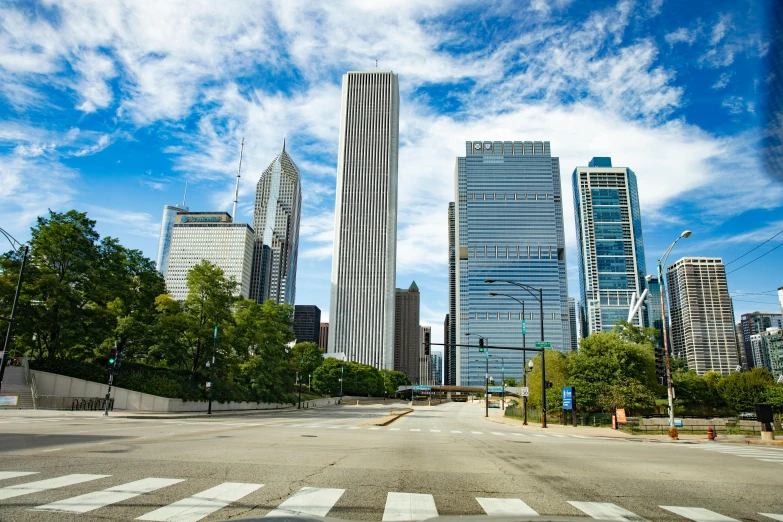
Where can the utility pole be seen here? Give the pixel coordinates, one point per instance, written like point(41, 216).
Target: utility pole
point(212, 365)
point(12, 320)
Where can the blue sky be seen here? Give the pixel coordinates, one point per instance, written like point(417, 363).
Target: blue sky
point(111, 107)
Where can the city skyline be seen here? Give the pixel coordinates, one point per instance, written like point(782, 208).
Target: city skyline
point(88, 133)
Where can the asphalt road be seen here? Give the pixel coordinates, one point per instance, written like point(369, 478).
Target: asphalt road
point(444, 460)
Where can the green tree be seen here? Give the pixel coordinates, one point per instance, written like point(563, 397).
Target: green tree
point(773, 395)
point(605, 360)
point(393, 380)
point(555, 373)
point(742, 390)
point(510, 381)
point(307, 357)
point(358, 379)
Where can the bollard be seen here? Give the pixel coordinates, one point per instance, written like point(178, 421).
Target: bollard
point(710, 433)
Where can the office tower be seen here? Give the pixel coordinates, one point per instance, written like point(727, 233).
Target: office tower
point(425, 362)
point(406, 332)
point(609, 243)
point(654, 319)
point(450, 338)
point(307, 323)
point(780, 298)
point(164, 242)
point(572, 324)
point(365, 233)
point(702, 322)
point(437, 368)
point(278, 207)
point(323, 337)
point(508, 225)
point(754, 323)
point(210, 236)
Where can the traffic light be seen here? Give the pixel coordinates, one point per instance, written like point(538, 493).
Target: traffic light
point(426, 343)
point(549, 384)
point(481, 344)
point(112, 356)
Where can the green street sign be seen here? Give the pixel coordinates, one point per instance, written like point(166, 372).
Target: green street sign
point(541, 344)
point(524, 327)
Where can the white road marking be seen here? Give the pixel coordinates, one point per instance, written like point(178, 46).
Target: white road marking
point(477, 433)
point(779, 461)
point(606, 511)
point(698, 514)
point(376, 428)
point(53, 449)
point(538, 435)
point(202, 504)
point(13, 474)
point(355, 428)
point(497, 433)
point(309, 501)
point(519, 434)
point(408, 506)
point(394, 429)
point(99, 499)
point(414, 429)
point(505, 506)
point(580, 436)
point(435, 431)
point(773, 516)
point(560, 436)
point(43, 485)
point(455, 431)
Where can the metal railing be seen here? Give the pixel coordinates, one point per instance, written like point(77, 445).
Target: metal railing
point(90, 403)
point(29, 378)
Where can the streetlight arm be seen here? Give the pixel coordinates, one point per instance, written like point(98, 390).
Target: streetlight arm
point(529, 289)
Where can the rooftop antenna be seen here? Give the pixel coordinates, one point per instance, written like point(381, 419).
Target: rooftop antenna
point(185, 197)
point(239, 175)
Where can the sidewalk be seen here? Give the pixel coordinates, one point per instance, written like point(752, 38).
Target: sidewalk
point(33, 414)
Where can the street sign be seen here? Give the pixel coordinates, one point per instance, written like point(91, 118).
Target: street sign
point(524, 391)
point(421, 388)
point(542, 344)
point(568, 398)
point(495, 389)
point(209, 385)
point(621, 418)
point(524, 327)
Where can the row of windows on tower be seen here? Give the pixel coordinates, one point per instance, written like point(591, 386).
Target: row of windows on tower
point(507, 316)
point(505, 196)
point(514, 252)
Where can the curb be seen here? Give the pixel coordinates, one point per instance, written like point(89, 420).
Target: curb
point(203, 415)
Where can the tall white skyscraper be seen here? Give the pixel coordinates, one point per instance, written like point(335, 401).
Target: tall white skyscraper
point(361, 313)
point(276, 223)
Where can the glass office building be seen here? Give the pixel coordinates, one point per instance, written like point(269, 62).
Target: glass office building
point(508, 225)
point(609, 244)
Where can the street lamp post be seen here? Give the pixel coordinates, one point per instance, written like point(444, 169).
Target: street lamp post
point(673, 435)
point(524, 352)
point(529, 289)
point(12, 320)
point(212, 365)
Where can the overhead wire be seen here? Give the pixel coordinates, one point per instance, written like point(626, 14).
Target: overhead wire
point(757, 258)
point(754, 248)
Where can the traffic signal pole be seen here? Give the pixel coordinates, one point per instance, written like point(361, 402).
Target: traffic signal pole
point(112, 363)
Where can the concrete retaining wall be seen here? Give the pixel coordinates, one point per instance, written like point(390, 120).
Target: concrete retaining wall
point(128, 400)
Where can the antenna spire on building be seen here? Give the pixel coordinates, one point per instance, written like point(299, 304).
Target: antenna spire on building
point(239, 175)
point(185, 197)
point(284, 142)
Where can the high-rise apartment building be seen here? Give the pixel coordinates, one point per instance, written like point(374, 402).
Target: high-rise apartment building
point(323, 338)
point(702, 319)
point(210, 236)
point(572, 324)
point(652, 307)
point(609, 243)
point(307, 323)
point(365, 233)
point(164, 241)
point(780, 298)
point(406, 332)
point(508, 225)
point(278, 207)
point(450, 330)
point(755, 323)
point(437, 368)
point(425, 361)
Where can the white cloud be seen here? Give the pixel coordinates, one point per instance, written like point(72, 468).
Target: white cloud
point(130, 222)
point(737, 105)
point(681, 35)
point(723, 81)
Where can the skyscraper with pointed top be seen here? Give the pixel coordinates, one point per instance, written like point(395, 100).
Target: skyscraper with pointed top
point(278, 208)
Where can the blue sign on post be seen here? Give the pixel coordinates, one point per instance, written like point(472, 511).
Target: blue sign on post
point(568, 398)
point(524, 327)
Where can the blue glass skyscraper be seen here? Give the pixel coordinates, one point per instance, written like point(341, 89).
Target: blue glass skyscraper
point(508, 226)
point(609, 243)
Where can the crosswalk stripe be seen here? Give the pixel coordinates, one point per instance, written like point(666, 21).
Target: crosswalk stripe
point(98, 499)
point(559, 436)
point(202, 504)
point(698, 514)
point(580, 436)
point(505, 506)
point(434, 431)
point(519, 434)
point(606, 511)
point(773, 516)
point(477, 433)
point(538, 435)
point(42, 485)
point(497, 433)
point(394, 429)
point(779, 461)
point(414, 429)
point(13, 474)
point(455, 431)
point(309, 501)
point(409, 506)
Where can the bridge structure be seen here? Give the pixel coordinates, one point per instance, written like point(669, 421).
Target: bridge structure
point(514, 391)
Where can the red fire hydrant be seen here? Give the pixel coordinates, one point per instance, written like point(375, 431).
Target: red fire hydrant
point(710, 433)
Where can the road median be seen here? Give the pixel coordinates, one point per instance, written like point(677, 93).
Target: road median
point(390, 418)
